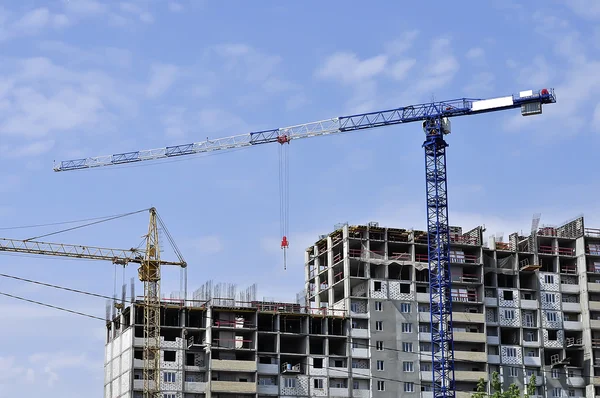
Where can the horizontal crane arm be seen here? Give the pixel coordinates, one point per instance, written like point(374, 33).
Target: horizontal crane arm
point(117, 256)
point(407, 114)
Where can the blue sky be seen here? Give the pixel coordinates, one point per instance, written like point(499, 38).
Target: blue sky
point(84, 78)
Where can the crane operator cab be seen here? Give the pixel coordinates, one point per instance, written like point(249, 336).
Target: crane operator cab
point(444, 124)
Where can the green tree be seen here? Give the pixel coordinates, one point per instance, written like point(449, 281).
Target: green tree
point(530, 391)
point(512, 392)
point(481, 389)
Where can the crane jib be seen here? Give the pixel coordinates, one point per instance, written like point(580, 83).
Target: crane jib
point(407, 114)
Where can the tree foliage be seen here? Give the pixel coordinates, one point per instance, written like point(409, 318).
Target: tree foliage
point(512, 392)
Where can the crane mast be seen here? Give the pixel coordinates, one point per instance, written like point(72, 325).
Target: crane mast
point(436, 123)
point(148, 273)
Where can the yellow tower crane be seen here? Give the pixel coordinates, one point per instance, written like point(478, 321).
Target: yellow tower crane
point(148, 272)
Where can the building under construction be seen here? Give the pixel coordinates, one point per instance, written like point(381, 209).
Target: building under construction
point(529, 306)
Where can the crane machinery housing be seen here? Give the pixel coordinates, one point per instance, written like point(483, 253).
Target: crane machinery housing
point(435, 118)
point(148, 272)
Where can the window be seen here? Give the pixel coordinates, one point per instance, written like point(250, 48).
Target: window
point(513, 372)
point(380, 385)
point(377, 286)
point(379, 325)
point(571, 393)
point(552, 335)
point(550, 298)
point(555, 373)
point(556, 392)
point(379, 365)
point(404, 307)
point(424, 328)
point(425, 367)
point(318, 384)
point(407, 328)
point(379, 345)
point(355, 385)
point(409, 387)
point(511, 352)
point(169, 377)
point(354, 307)
point(509, 314)
point(378, 306)
point(549, 278)
point(170, 395)
point(507, 295)
point(170, 356)
point(289, 382)
point(425, 347)
point(551, 316)
point(408, 367)
point(318, 363)
point(407, 347)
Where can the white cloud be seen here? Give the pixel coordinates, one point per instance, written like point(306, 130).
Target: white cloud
point(97, 56)
point(206, 245)
point(174, 122)
point(348, 68)
point(214, 120)
point(45, 97)
point(28, 150)
point(588, 9)
point(480, 83)
point(442, 68)
point(475, 53)
point(402, 44)
point(245, 62)
point(162, 78)
point(399, 70)
point(596, 118)
point(175, 7)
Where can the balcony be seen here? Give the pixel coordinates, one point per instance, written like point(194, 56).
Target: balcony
point(423, 297)
point(467, 375)
point(470, 356)
point(268, 390)
point(195, 387)
point(593, 287)
point(470, 337)
point(360, 352)
point(360, 372)
point(232, 365)
point(493, 340)
point(360, 333)
point(532, 361)
point(339, 392)
point(594, 305)
point(234, 387)
point(338, 372)
point(529, 304)
point(269, 369)
point(572, 325)
point(493, 359)
point(425, 336)
point(575, 307)
point(468, 317)
point(576, 381)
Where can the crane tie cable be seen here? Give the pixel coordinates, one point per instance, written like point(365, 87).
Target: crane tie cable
point(51, 306)
point(88, 224)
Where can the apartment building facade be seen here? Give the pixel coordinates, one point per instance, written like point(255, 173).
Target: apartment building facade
point(530, 306)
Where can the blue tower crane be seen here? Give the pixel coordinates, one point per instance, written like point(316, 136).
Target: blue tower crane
point(435, 118)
